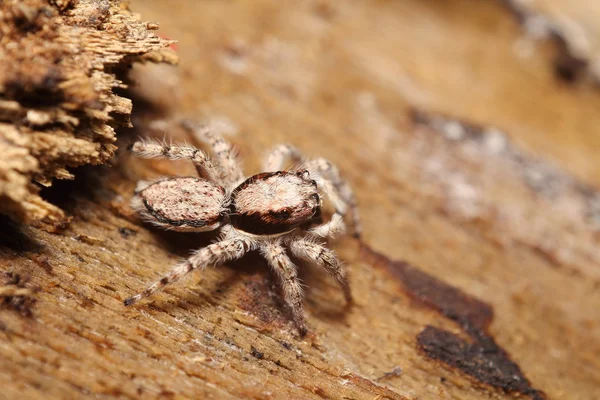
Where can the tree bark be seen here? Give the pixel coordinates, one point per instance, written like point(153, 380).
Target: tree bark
point(471, 147)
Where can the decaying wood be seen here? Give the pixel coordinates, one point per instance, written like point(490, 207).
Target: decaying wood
point(60, 64)
point(475, 167)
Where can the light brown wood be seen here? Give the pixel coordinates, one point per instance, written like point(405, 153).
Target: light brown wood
point(472, 161)
point(61, 63)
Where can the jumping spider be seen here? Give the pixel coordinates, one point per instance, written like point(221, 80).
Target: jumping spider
point(270, 211)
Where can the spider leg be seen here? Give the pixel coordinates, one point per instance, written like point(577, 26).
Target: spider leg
point(231, 172)
point(275, 160)
point(330, 229)
point(325, 258)
point(216, 253)
point(337, 189)
point(153, 149)
point(288, 276)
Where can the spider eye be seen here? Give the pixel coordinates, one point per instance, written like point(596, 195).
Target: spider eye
point(284, 213)
point(304, 174)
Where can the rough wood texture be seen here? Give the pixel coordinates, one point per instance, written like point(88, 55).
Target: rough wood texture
point(60, 64)
point(473, 161)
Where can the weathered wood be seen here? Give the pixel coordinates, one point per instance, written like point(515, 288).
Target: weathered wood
point(472, 161)
point(61, 63)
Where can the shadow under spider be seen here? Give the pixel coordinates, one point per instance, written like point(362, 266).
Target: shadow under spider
point(323, 307)
point(260, 293)
point(218, 289)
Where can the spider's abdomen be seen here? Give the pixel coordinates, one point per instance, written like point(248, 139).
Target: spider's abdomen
point(275, 202)
point(184, 203)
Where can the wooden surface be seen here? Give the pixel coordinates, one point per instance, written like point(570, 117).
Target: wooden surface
point(473, 161)
point(61, 65)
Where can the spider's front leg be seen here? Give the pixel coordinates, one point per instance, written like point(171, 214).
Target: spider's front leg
point(231, 172)
point(275, 160)
point(337, 190)
point(325, 258)
point(154, 149)
point(214, 254)
point(330, 229)
point(290, 283)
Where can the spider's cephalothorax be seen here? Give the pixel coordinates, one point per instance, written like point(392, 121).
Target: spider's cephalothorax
point(273, 203)
point(272, 211)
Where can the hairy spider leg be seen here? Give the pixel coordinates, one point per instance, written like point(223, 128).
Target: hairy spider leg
point(231, 171)
point(217, 253)
point(205, 167)
point(276, 158)
point(287, 273)
point(338, 189)
point(313, 252)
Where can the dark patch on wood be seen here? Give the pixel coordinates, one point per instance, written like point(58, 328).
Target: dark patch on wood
point(258, 298)
point(396, 371)
point(569, 68)
point(126, 232)
point(320, 392)
point(27, 19)
point(482, 359)
point(257, 354)
point(286, 345)
point(21, 304)
point(37, 91)
point(451, 302)
point(167, 394)
point(43, 262)
point(568, 65)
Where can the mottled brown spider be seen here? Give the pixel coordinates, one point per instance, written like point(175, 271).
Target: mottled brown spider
point(272, 211)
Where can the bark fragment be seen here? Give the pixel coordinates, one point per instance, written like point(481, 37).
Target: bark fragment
point(60, 63)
